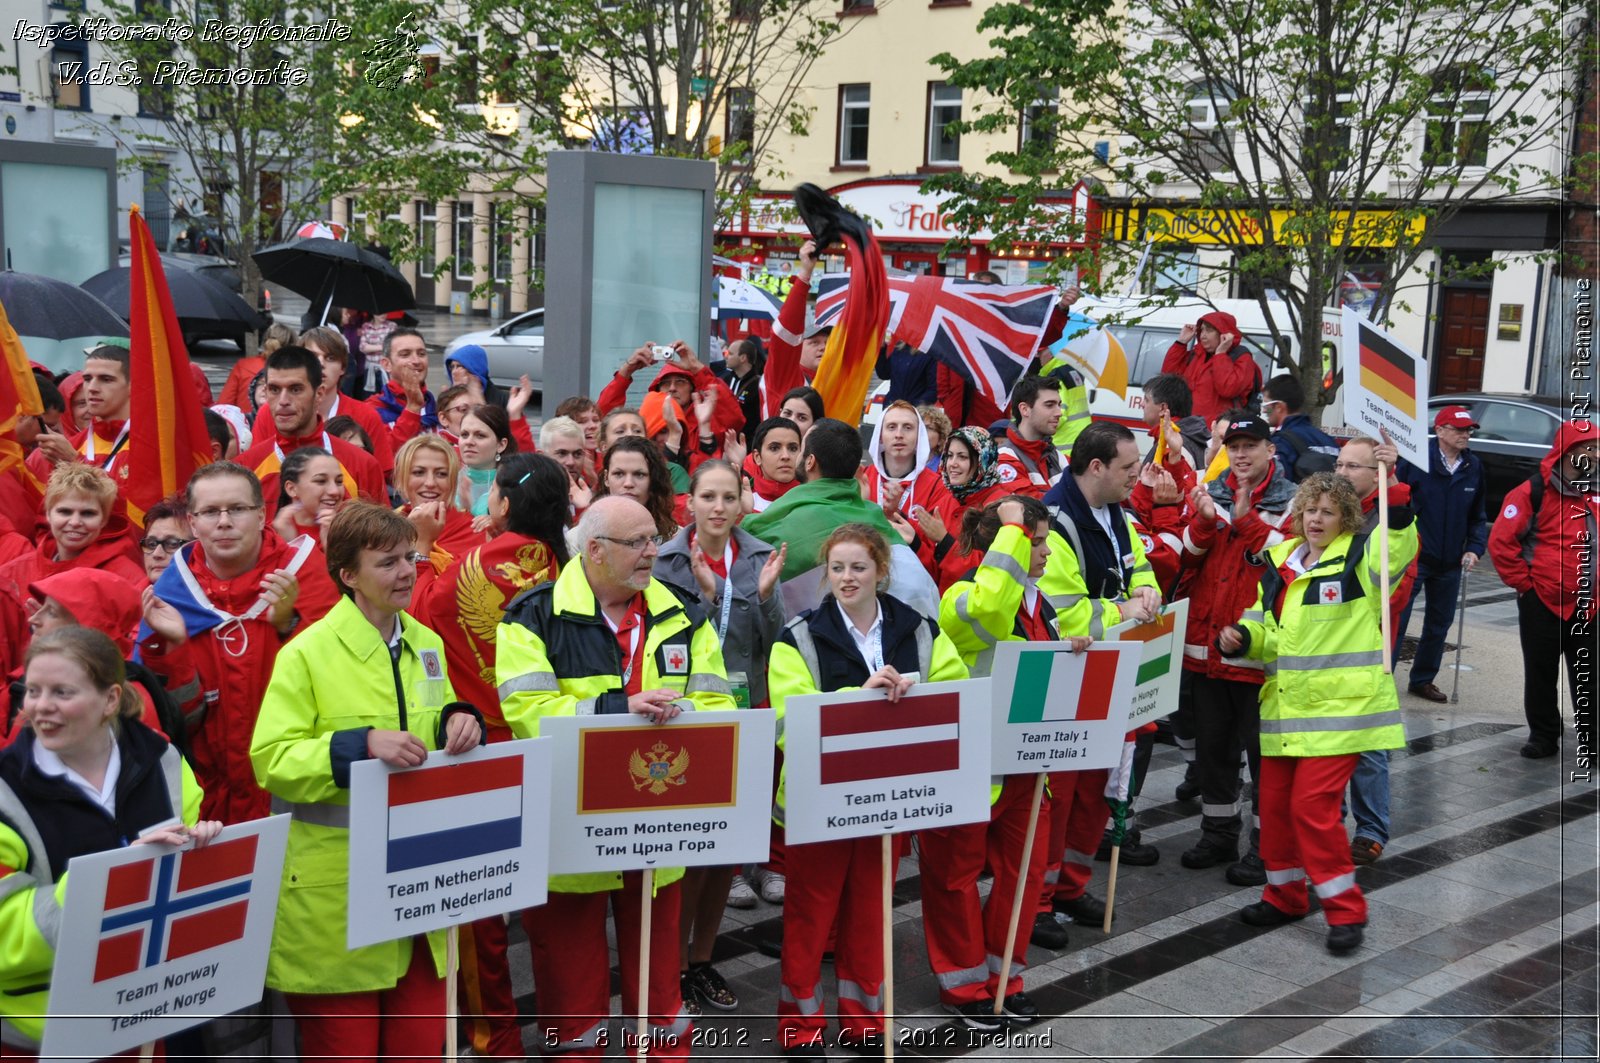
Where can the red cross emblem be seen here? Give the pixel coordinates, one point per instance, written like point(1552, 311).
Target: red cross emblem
point(675, 660)
point(1330, 594)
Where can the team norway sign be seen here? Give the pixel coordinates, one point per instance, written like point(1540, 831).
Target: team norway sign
point(1055, 710)
point(627, 794)
point(857, 766)
point(460, 838)
point(1160, 660)
point(154, 941)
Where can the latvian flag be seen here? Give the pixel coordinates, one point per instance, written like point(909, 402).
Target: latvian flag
point(454, 812)
point(1153, 665)
point(920, 733)
point(1055, 685)
point(174, 906)
point(1388, 371)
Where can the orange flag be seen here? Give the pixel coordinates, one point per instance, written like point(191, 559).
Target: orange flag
point(1161, 441)
point(167, 438)
point(19, 398)
point(858, 332)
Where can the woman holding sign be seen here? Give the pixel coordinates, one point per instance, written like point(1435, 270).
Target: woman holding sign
point(365, 681)
point(857, 638)
point(84, 777)
point(1317, 625)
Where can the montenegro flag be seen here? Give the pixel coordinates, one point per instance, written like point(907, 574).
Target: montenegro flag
point(167, 437)
point(19, 398)
point(653, 769)
point(846, 366)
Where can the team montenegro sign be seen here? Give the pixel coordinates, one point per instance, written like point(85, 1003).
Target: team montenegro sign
point(628, 794)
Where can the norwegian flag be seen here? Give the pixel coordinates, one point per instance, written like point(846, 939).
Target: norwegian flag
point(986, 332)
point(174, 906)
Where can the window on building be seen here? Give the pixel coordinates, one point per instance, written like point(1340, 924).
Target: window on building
point(464, 262)
point(740, 126)
point(1458, 118)
point(427, 237)
point(505, 229)
point(855, 109)
point(467, 85)
point(69, 67)
point(744, 10)
point(157, 204)
point(430, 70)
point(1210, 145)
point(944, 110)
point(155, 101)
point(1173, 268)
point(855, 7)
point(1036, 131)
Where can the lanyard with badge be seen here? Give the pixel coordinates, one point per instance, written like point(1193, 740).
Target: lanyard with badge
point(633, 648)
point(116, 446)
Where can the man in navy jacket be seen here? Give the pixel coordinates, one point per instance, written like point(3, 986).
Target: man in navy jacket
point(1453, 523)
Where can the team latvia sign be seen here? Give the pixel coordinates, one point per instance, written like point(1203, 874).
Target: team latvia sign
point(1055, 710)
point(856, 765)
point(627, 795)
point(458, 839)
point(1385, 387)
point(154, 941)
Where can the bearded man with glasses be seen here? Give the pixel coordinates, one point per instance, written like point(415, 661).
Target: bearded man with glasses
point(215, 619)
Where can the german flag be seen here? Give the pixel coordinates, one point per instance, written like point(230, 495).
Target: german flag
point(846, 367)
point(167, 440)
point(654, 769)
point(1388, 372)
point(19, 398)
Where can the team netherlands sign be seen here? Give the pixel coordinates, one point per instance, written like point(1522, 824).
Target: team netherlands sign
point(1385, 387)
point(1055, 710)
point(1160, 660)
point(627, 794)
point(458, 839)
point(856, 765)
point(155, 940)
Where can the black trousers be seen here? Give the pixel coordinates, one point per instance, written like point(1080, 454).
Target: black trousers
point(1546, 639)
point(1227, 720)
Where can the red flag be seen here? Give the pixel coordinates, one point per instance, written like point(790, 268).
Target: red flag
point(920, 733)
point(167, 437)
point(19, 398)
point(639, 769)
point(846, 367)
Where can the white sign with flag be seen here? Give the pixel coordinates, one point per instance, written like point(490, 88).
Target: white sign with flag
point(628, 794)
point(857, 766)
point(1385, 387)
point(458, 839)
point(156, 940)
point(1055, 710)
point(1160, 660)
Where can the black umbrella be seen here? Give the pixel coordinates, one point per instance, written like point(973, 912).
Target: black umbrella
point(201, 304)
point(336, 273)
point(217, 269)
point(55, 310)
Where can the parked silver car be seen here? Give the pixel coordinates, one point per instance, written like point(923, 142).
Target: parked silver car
point(514, 348)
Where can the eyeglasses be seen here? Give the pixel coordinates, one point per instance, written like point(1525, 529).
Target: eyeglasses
point(233, 513)
point(1272, 402)
point(1348, 466)
point(1464, 431)
point(171, 544)
point(644, 542)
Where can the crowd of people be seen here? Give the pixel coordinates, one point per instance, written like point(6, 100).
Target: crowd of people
point(406, 575)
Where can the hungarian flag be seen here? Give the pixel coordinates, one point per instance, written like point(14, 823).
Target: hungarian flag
point(19, 398)
point(174, 906)
point(654, 769)
point(1388, 371)
point(1162, 629)
point(918, 734)
point(167, 437)
point(846, 367)
point(1056, 685)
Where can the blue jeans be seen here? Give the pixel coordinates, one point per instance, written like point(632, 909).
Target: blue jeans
point(1443, 586)
point(1369, 796)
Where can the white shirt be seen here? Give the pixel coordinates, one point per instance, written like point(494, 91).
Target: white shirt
point(105, 796)
point(869, 643)
point(1297, 560)
point(1103, 515)
point(1452, 466)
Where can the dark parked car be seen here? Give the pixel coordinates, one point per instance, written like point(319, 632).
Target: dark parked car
point(1514, 433)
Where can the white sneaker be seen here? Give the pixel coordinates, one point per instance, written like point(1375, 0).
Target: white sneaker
point(740, 895)
point(770, 883)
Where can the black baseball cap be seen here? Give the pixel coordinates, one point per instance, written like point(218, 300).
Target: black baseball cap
point(1254, 427)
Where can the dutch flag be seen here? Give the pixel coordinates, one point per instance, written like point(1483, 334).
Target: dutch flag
point(454, 812)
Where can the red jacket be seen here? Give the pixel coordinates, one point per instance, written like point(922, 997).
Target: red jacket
point(782, 372)
point(1219, 382)
point(1552, 551)
point(113, 552)
point(1223, 570)
point(726, 414)
point(362, 477)
point(265, 429)
point(218, 677)
point(965, 405)
point(465, 604)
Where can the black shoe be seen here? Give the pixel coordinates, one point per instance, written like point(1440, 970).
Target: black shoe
point(1187, 791)
point(809, 1050)
point(770, 945)
point(710, 988)
point(1537, 750)
point(1086, 909)
point(1345, 937)
point(867, 1045)
point(1134, 854)
point(979, 1016)
point(1021, 1010)
point(1429, 692)
point(1209, 853)
point(691, 1003)
point(1248, 871)
point(1264, 913)
point(1048, 933)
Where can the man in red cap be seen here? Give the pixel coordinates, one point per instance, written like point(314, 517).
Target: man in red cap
point(1544, 546)
point(1448, 497)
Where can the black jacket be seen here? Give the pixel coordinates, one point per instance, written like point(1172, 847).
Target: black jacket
point(839, 662)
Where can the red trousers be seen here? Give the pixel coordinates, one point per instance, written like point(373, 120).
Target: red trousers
point(488, 1007)
point(1302, 836)
point(1077, 801)
point(966, 937)
point(842, 879)
point(572, 970)
point(405, 1023)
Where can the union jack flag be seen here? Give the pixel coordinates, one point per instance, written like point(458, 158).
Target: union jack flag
point(986, 332)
